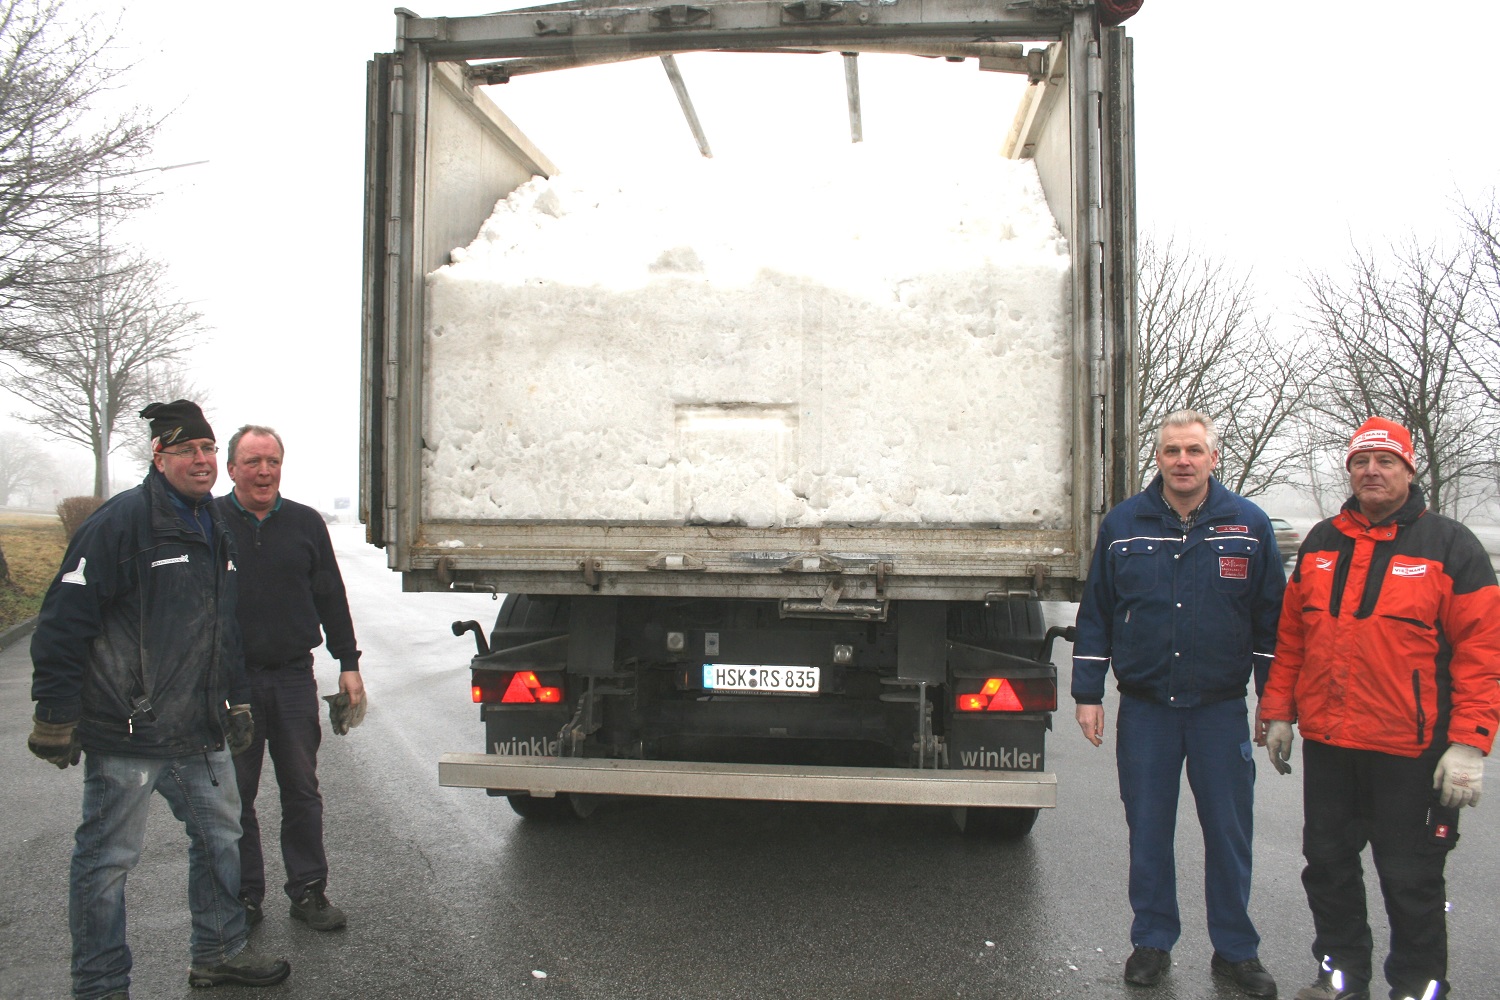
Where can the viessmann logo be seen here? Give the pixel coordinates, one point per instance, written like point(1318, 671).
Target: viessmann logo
point(1408, 569)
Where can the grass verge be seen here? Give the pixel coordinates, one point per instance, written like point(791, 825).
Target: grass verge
point(33, 545)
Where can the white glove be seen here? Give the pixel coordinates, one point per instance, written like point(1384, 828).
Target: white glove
point(1460, 775)
point(1279, 745)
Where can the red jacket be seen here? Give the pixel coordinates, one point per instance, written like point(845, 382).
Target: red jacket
point(1390, 635)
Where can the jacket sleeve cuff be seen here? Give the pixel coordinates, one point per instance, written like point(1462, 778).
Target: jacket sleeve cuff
point(59, 711)
point(1088, 699)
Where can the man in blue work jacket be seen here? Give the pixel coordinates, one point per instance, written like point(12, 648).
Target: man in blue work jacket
point(1182, 601)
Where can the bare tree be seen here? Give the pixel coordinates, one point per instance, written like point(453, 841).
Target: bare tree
point(54, 154)
point(1482, 234)
point(1205, 346)
point(162, 383)
point(24, 467)
point(1401, 335)
point(98, 356)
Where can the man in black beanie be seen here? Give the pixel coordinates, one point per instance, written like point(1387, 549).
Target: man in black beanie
point(137, 626)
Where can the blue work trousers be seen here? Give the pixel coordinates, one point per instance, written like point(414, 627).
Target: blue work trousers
point(1351, 798)
point(285, 705)
point(1152, 743)
point(201, 792)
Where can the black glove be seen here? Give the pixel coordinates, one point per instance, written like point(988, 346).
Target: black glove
point(241, 729)
point(55, 742)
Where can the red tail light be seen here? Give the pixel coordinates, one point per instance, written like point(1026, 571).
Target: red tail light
point(522, 688)
point(1006, 694)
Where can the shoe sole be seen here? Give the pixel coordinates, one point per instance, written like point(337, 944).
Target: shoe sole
point(208, 979)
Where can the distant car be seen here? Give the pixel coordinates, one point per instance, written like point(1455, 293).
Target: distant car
point(1288, 539)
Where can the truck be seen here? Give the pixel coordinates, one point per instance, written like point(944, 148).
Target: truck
point(783, 535)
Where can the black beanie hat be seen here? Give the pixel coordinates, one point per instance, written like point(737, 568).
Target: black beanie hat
point(179, 420)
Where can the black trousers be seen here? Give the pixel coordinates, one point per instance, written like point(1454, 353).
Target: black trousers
point(284, 703)
point(1351, 798)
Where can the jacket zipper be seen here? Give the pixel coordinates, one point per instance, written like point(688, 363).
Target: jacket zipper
point(1416, 691)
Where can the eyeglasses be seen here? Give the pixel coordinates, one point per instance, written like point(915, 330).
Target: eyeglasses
point(206, 450)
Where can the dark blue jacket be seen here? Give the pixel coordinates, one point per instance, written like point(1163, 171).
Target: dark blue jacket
point(137, 638)
point(1184, 620)
point(291, 590)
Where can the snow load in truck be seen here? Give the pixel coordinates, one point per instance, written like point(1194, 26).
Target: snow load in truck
point(696, 346)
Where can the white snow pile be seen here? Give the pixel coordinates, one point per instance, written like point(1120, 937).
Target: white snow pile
point(868, 337)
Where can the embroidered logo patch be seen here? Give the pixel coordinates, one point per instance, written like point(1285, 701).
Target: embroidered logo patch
point(1234, 568)
point(1238, 529)
point(167, 562)
point(1405, 569)
point(76, 575)
point(1325, 563)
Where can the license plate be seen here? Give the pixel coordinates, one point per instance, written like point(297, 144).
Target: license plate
point(757, 678)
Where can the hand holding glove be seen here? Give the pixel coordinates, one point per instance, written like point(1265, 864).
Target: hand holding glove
point(1459, 776)
point(241, 729)
point(344, 713)
point(1279, 745)
point(55, 742)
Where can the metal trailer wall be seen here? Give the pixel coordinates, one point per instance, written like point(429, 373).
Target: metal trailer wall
point(440, 155)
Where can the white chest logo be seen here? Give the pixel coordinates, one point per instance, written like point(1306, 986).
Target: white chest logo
point(1405, 569)
point(167, 562)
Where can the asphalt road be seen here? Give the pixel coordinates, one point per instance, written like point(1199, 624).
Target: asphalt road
point(451, 895)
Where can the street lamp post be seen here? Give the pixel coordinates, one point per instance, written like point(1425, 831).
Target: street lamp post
point(101, 337)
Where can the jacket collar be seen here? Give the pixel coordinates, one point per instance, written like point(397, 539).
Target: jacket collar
point(1217, 505)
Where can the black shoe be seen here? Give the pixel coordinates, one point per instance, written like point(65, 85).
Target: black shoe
point(1321, 988)
point(1146, 966)
point(1250, 976)
point(314, 909)
point(244, 969)
point(253, 913)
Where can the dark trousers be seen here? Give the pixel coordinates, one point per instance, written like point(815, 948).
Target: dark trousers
point(1153, 743)
point(285, 705)
point(1351, 798)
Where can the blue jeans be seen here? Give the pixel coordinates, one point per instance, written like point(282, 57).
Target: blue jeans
point(116, 801)
point(1152, 743)
point(285, 705)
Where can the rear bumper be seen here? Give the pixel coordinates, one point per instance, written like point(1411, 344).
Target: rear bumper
point(544, 777)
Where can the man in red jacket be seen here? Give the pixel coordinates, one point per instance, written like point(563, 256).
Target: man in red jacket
point(1388, 660)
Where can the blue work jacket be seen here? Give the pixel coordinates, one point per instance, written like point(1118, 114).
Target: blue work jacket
point(1184, 619)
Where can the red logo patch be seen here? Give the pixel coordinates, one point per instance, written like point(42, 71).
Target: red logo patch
point(1238, 529)
point(1234, 568)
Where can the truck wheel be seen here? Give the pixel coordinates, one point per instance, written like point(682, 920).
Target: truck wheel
point(995, 823)
point(558, 809)
point(1014, 626)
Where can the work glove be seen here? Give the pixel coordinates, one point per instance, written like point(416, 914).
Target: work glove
point(342, 714)
point(1459, 776)
point(1279, 745)
point(241, 729)
point(55, 742)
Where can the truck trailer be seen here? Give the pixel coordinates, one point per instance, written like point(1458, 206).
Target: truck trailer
point(770, 510)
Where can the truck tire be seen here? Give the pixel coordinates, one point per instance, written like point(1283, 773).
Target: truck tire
point(561, 808)
point(1014, 626)
point(525, 618)
point(995, 823)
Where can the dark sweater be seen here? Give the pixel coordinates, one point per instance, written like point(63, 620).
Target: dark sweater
point(291, 591)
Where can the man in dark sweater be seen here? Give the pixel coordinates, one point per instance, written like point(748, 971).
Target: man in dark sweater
point(291, 597)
